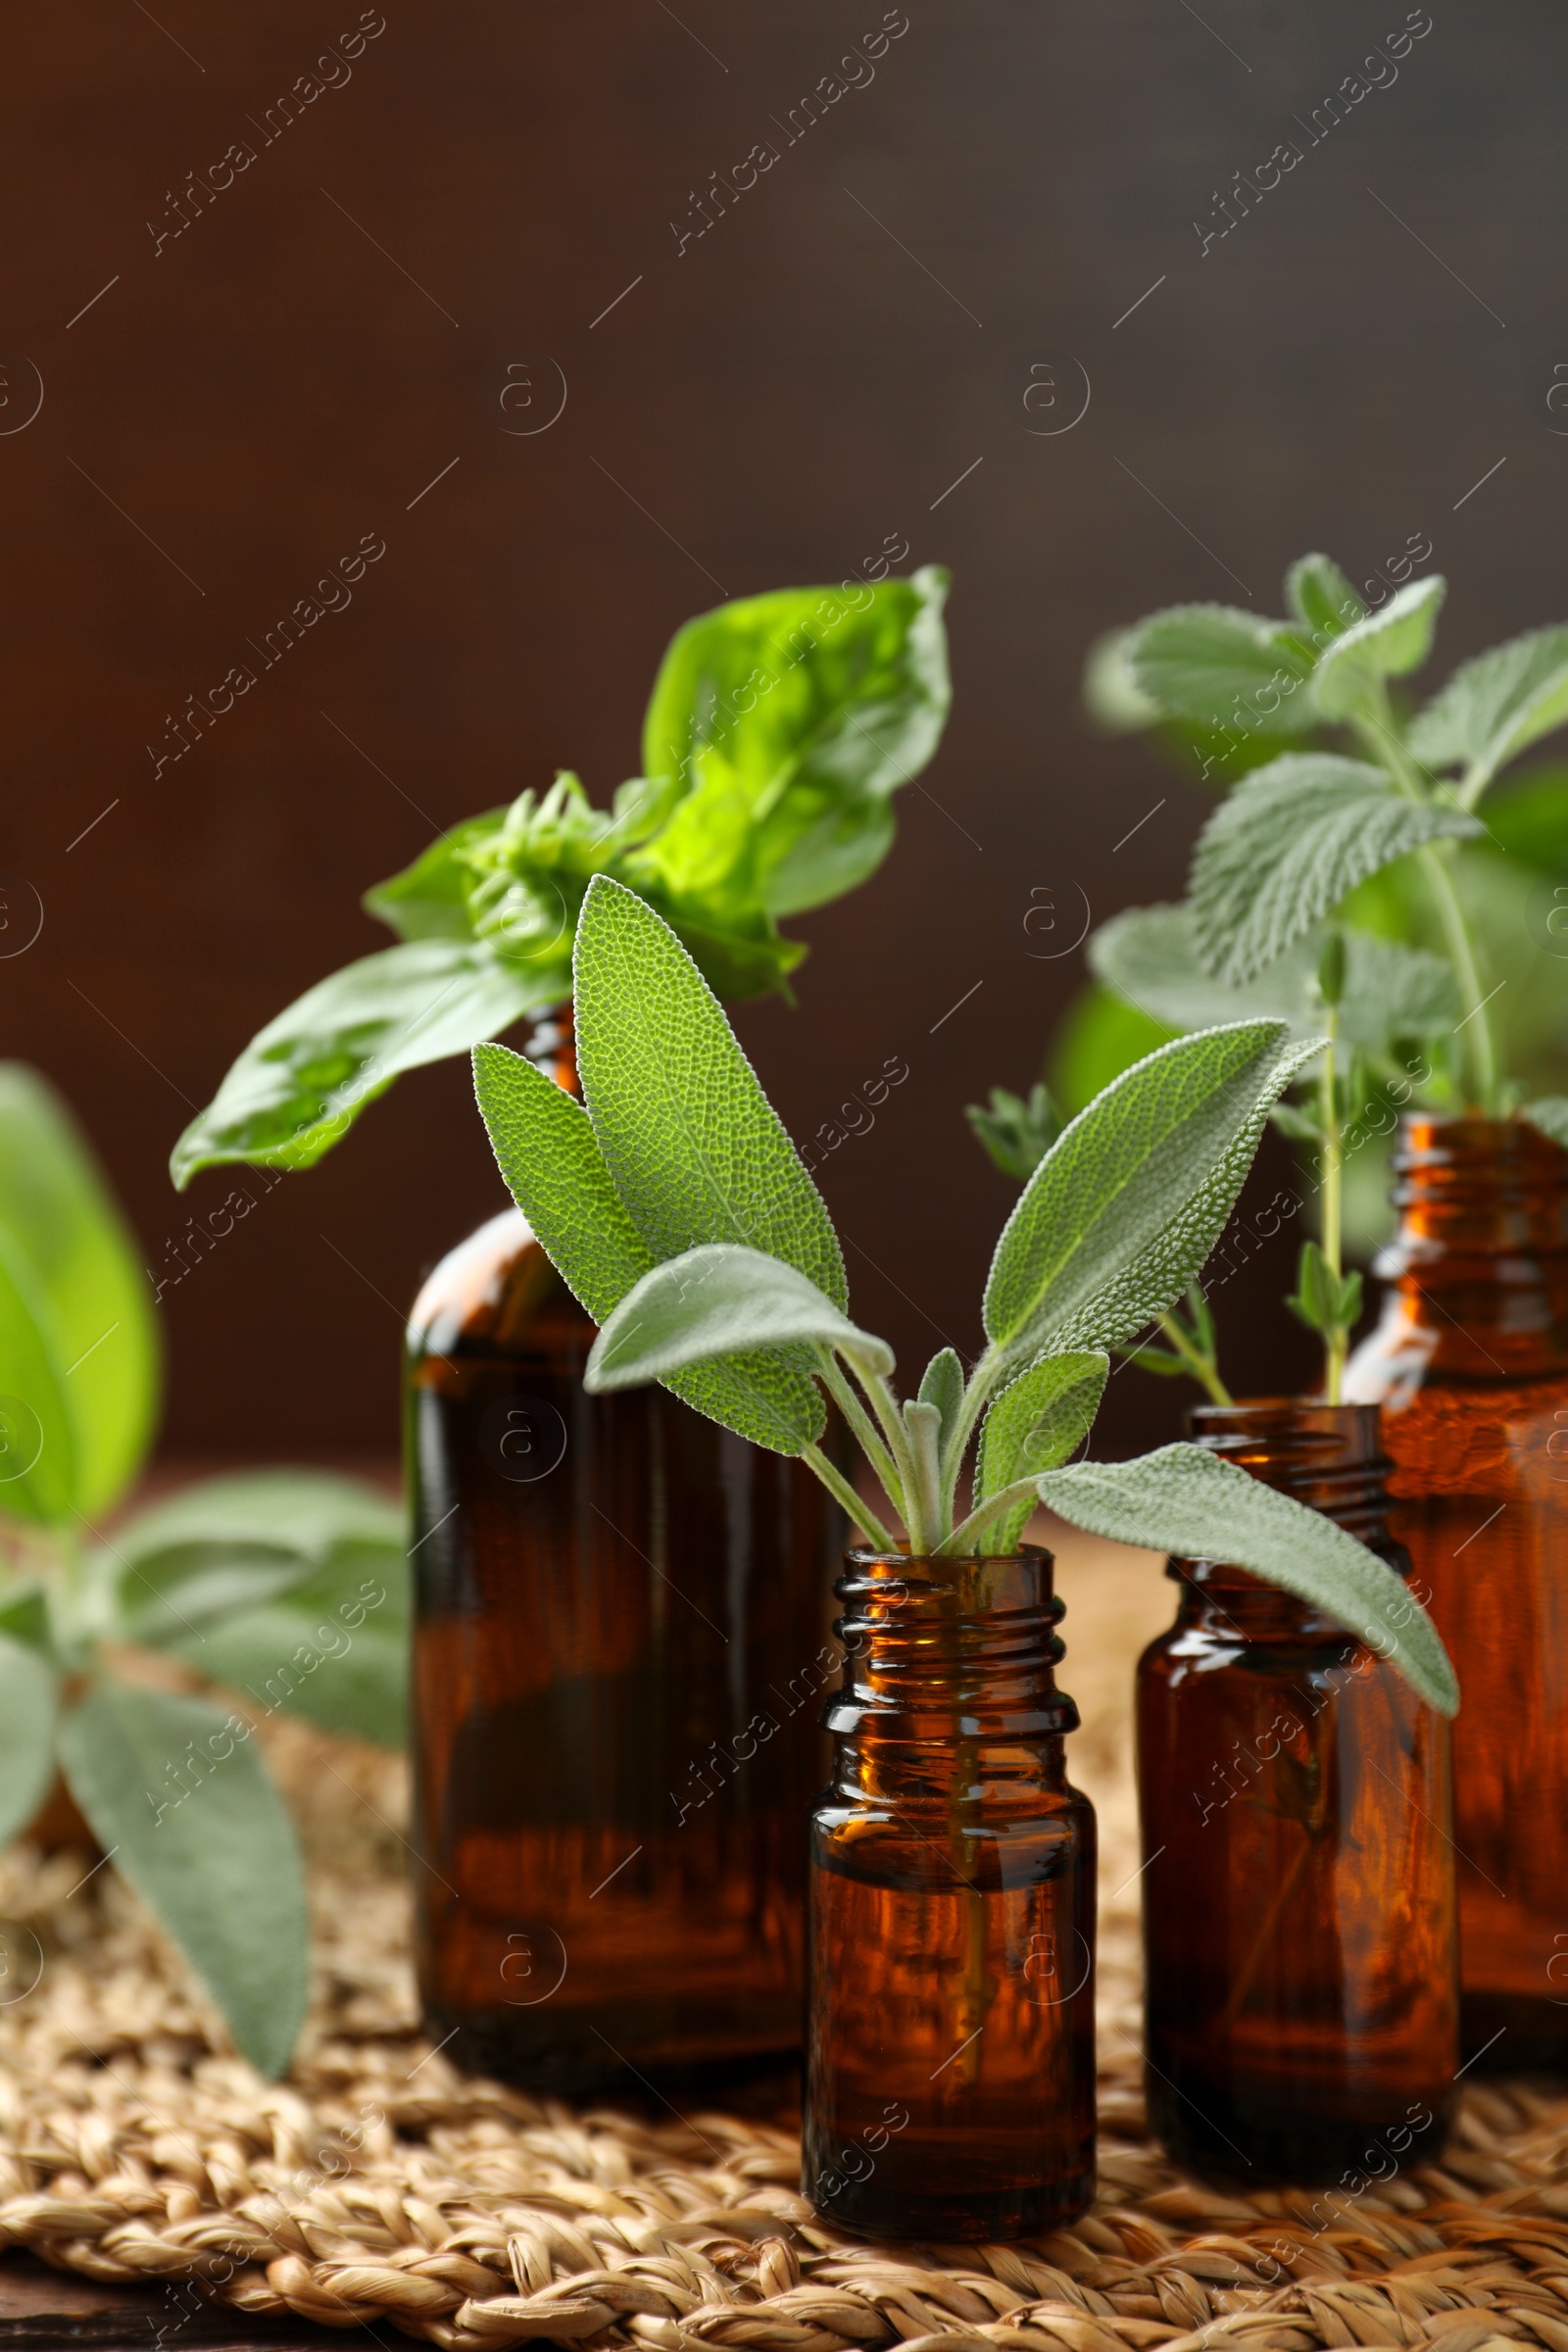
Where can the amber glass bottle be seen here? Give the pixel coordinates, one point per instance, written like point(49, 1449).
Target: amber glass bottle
point(1300, 1935)
point(1470, 1364)
point(620, 1650)
point(951, 2027)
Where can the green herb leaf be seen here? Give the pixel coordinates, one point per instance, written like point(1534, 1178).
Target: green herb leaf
point(429, 899)
point(1017, 1134)
point(1529, 821)
point(62, 1219)
point(1321, 597)
point(1324, 1302)
point(1550, 1115)
point(1492, 706)
point(1126, 1206)
point(942, 1384)
point(1149, 954)
point(1199, 661)
point(801, 712)
point(1112, 695)
point(177, 1791)
point(333, 1648)
point(232, 1544)
point(39, 1480)
point(693, 1145)
point(545, 1147)
point(303, 1079)
point(1184, 1500)
point(719, 1301)
point(1032, 1426)
point(1396, 638)
point(29, 1695)
point(1287, 845)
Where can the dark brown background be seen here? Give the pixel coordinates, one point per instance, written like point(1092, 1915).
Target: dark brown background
point(763, 409)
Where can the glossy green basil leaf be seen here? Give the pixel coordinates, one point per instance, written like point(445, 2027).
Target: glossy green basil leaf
point(801, 712)
point(177, 1791)
point(1187, 1501)
point(429, 899)
point(89, 1294)
point(306, 1077)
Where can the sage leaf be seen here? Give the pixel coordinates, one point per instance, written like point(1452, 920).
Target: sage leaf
point(1396, 638)
point(1127, 1205)
point(1035, 1423)
point(28, 1692)
point(1017, 1134)
point(803, 711)
point(429, 899)
point(1550, 1115)
point(230, 1545)
point(1184, 1500)
point(942, 1385)
point(61, 1217)
point(1321, 597)
point(303, 1079)
point(1493, 706)
point(333, 1648)
point(1287, 845)
point(694, 1148)
point(1196, 660)
point(546, 1148)
point(175, 1788)
point(719, 1301)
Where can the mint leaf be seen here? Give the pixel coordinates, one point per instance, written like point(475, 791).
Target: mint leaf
point(1287, 845)
point(29, 1695)
point(1396, 638)
point(91, 1291)
point(1492, 706)
point(546, 1148)
point(303, 1079)
point(719, 1301)
point(694, 1148)
point(177, 1791)
point(1126, 1206)
point(803, 711)
point(1032, 1426)
point(429, 899)
point(1198, 661)
point(1184, 1500)
point(1321, 597)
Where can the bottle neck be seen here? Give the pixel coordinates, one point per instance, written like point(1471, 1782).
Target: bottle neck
point(949, 1675)
point(1480, 1263)
point(1329, 1457)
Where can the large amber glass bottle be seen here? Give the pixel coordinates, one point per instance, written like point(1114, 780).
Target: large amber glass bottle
point(619, 1654)
point(1300, 1931)
point(951, 2027)
point(1470, 1364)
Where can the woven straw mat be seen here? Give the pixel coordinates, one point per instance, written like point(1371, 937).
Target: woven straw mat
point(135, 2145)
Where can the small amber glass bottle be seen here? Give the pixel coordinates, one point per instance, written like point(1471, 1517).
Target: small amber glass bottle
point(620, 1650)
point(1300, 1930)
point(951, 2033)
point(1470, 1365)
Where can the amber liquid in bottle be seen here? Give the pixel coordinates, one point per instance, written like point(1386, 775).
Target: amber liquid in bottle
point(950, 2031)
point(1299, 1929)
point(620, 1650)
point(1470, 1364)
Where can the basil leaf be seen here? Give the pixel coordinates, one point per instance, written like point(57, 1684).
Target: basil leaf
point(694, 1148)
point(40, 1478)
point(90, 1285)
point(303, 1079)
point(806, 709)
point(429, 899)
point(1032, 1426)
point(1287, 845)
point(718, 1300)
point(546, 1148)
point(1396, 638)
point(1184, 1500)
point(1198, 660)
point(1492, 706)
point(1125, 1206)
point(183, 1800)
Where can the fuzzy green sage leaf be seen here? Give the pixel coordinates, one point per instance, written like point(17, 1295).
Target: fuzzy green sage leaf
point(717, 1300)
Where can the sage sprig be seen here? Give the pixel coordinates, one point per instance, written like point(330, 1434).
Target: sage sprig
point(676, 1207)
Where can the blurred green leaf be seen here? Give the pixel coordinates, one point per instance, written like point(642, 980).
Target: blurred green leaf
point(39, 1479)
point(1321, 597)
point(333, 1648)
point(1017, 1134)
point(183, 1803)
point(1097, 1038)
point(429, 899)
point(1529, 821)
point(1493, 706)
point(1396, 638)
point(28, 1687)
point(1196, 662)
point(88, 1294)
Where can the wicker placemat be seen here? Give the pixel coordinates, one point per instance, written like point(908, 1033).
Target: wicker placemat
point(379, 2186)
